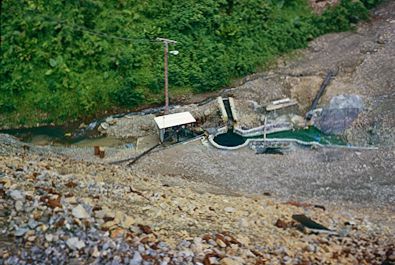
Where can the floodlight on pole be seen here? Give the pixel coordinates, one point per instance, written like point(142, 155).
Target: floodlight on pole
point(174, 52)
point(166, 43)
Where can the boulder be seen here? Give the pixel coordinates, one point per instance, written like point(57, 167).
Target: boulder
point(17, 195)
point(111, 121)
point(75, 243)
point(340, 114)
point(229, 261)
point(104, 126)
point(80, 212)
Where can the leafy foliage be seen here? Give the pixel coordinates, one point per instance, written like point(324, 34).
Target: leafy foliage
point(63, 60)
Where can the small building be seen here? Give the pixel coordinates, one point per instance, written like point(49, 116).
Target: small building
point(172, 123)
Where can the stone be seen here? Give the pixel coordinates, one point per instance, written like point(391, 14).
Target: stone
point(80, 212)
point(6, 182)
point(243, 222)
point(21, 231)
point(71, 200)
point(229, 261)
point(220, 243)
point(104, 213)
point(111, 121)
point(213, 260)
point(95, 252)
point(381, 39)
point(49, 237)
point(17, 195)
point(244, 240)
point(106, 226)
point(119, 216)
point(75, 243)
point(298, 121)
point(32, 223)
point(137, 259)
point(31, 238)
point(104, 126)
point(117, 232)
point(230, 209)
point(127, 221)
point(18, 206)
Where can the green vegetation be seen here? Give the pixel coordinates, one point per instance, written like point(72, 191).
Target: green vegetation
point(64, 60)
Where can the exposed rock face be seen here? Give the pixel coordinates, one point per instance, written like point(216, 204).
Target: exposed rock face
point(340, 114)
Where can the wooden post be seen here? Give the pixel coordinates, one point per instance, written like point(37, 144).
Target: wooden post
point(166, 46)
point(166, 80)
point(101, 152)
point(97, 150)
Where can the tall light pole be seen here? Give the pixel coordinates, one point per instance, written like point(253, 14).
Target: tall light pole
point(166, 43)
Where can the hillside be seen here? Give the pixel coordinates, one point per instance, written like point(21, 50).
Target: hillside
point(55, 210)
point(62, 61)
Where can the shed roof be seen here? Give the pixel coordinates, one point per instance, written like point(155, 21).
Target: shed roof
point(171, 120)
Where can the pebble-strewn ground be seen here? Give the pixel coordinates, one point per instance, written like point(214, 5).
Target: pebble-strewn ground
point(325, 174)
point(55, 210)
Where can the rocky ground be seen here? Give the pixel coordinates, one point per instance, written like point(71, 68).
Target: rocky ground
point(324, 175)
point(55, 210)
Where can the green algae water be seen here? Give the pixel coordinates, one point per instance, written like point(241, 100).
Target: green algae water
point(310, 134)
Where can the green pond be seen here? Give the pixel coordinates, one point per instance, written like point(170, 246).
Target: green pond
point(310, 134)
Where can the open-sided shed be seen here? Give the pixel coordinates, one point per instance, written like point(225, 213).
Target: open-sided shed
point(173, 120)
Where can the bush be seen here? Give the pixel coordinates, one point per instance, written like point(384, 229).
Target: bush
point(87, 56)
point(127, 96)
point(341, 17)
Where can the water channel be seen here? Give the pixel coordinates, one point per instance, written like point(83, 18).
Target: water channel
point(310, 134)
